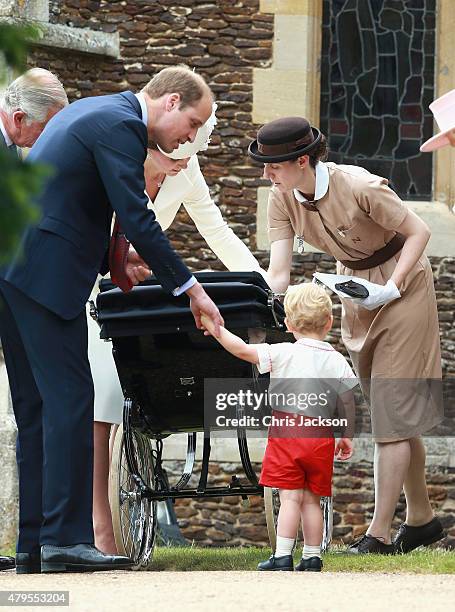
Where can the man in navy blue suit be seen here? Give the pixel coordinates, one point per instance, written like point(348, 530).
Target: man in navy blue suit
point(96, 147)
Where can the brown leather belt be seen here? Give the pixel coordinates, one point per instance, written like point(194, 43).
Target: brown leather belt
point(378, 257)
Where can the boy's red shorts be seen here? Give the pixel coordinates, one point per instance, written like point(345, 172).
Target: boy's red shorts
point(299, 463)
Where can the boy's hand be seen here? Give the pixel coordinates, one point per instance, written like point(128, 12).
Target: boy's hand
point(344, 449)
point(200, 305)
point(208, 325)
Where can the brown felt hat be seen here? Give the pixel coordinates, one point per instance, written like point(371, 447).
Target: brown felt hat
point(284, 139)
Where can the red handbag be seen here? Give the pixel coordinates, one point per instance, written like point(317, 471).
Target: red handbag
point(118, 258)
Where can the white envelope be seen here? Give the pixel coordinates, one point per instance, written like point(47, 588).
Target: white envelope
point(330, 280)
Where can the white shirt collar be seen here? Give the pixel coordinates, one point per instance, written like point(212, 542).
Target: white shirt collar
point(321, 186)
point(315, 343)
point(140, 97)
point(8, 140)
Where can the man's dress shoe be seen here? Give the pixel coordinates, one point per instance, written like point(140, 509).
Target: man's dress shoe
point(80, 558)
point(6, 563)
point(409, 537)
point(28, 563)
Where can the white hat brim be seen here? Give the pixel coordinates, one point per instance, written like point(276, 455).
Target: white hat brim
point(435, 142)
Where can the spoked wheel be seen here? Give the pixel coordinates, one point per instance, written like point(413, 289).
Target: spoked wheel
point(134, 518)
point(272, 507)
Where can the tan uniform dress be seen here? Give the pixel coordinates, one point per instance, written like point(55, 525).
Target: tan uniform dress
point(395, 348)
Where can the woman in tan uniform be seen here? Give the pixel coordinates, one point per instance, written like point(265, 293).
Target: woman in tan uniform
point(394, 343)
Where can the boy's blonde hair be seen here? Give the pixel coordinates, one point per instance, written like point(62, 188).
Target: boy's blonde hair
point(308, 307)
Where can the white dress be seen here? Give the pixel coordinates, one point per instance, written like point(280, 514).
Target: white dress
point(189, 188)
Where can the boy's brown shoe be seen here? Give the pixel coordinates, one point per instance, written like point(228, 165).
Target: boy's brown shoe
point(408, 537)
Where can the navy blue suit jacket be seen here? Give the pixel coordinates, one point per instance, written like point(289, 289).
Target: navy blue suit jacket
point(96, 147)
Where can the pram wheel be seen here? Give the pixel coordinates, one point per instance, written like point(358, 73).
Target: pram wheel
point(272, 508)
point(134, 517)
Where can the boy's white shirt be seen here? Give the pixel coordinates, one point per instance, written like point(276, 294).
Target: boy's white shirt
point(305, 359)
point(189, 188)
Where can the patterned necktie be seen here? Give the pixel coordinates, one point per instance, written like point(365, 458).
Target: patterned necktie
point(118, 258)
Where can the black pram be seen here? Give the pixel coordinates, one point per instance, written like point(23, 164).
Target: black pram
point(162, 361)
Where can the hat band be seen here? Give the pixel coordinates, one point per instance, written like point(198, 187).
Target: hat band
point(283, 148)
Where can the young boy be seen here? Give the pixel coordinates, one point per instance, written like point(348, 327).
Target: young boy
point(300, 465)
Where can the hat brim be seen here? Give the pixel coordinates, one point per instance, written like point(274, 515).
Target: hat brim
point(254, 153)
point(435, 142)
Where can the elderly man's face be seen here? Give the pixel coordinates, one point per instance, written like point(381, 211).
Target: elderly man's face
point(25, 134)
point(177, 126)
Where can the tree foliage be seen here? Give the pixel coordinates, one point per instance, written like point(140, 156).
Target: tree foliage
point(19, 181)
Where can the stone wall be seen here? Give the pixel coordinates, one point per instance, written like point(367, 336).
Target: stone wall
point(224, 41)
point(226, 521)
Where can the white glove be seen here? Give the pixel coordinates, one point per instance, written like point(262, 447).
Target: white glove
point(379, 294)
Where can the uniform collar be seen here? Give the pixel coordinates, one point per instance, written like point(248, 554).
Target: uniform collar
point(141, 99)
point(8, 140)
point(322, 184)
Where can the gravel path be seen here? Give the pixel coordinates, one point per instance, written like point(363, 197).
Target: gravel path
point(239, 591)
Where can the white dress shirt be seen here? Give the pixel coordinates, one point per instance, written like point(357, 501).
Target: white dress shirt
point(303, 368)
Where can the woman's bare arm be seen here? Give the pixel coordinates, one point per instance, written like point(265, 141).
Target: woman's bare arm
point(279, 272)
point(417, 235)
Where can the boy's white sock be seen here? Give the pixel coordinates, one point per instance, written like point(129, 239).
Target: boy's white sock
point(311, 551)
point(284, 546)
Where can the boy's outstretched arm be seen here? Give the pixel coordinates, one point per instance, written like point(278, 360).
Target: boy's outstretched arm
point(231, 342)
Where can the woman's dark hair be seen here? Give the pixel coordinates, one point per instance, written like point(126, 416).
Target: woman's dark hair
point(320, 152)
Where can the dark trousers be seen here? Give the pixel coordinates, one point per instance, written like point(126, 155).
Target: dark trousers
point(52, 392)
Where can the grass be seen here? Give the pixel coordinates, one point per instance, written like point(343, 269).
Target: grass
point(197, 559)
point(430, 561)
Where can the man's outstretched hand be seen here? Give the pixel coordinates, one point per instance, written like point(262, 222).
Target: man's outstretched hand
point(136, 268)
point(200, 304)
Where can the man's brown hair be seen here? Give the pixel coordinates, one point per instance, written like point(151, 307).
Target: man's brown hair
point(179, 79)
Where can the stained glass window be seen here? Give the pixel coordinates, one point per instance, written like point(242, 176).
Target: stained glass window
point(377, 81)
